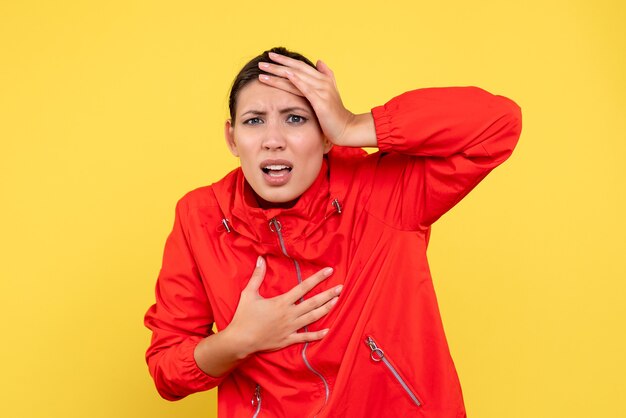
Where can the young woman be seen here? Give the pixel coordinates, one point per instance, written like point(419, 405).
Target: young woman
point(310, 258)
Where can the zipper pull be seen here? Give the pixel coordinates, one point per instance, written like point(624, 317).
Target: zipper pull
point(337, 205)
point(376, 353)
point(225, 223)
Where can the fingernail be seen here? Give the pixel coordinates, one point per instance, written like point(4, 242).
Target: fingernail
point(264, 65)
point(264, 77)
point(338, 289)
point(259, 261)
point(334, 301)
point(324, 332)
point(328, 271)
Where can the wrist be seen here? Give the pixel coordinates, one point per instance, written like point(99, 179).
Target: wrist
point(360, 132)
point(240, 346)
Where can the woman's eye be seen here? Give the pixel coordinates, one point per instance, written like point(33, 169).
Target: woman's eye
point(252, 121)
point(295, 119)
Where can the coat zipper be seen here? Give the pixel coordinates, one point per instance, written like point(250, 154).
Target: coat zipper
point(256, 401)
point(377, 354)
point(276, 227)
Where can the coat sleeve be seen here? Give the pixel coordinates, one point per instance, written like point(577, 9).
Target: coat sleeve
point(179, 320)
point(436, 145)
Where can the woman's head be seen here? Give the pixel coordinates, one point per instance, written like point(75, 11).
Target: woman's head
point(275, 134)
point(251, 71)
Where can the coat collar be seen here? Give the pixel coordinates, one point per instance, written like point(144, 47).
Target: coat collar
point(322, 199)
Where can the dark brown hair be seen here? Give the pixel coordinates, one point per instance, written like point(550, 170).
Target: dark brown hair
point(251, 71)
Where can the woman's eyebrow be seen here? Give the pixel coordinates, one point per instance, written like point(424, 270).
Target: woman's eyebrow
point(290, 109)
point(294, 109)
point(254, 112)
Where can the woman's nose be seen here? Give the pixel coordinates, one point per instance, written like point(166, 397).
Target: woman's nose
point(274, 138)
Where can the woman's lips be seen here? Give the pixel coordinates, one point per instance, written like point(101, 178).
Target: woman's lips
point(276, 172)
point(277, 178)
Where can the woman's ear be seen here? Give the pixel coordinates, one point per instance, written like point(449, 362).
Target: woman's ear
point(327, 145)
point(229, 135)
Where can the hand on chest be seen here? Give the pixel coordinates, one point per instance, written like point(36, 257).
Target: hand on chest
point(291, 257)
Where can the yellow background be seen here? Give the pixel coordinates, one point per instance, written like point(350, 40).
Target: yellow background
point(110, 111)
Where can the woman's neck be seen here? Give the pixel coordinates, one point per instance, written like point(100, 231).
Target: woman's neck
point(264, 204)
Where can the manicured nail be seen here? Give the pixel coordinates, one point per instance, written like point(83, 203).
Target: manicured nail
point(328, 271)
point(325, 331)
point(334, 301)
point(264, 77)
point(259, 261)
point(264, 65)
point(338, 289)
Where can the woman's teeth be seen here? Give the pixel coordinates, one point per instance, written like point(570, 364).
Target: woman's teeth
point(276, 170)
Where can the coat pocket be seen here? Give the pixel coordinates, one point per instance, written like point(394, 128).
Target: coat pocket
point(378, 356)
point(256, 401)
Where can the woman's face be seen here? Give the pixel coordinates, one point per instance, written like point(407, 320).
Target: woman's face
point(278, 140)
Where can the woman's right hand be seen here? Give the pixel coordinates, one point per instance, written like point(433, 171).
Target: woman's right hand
point(261, 324)
point(318, 86)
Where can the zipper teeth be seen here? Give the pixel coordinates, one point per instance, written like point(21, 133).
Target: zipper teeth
point(257, 398)
point(381, 356)
point(277, 229)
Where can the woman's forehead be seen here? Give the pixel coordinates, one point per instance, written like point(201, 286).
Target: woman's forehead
point(261, 97)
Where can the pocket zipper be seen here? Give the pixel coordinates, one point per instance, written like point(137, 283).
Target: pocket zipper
point(377, 355)
point(256, 401)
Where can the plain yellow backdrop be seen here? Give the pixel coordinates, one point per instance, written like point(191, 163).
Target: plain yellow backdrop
point(111, 111)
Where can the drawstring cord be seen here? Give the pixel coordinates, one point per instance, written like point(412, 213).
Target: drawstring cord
point(335, 203)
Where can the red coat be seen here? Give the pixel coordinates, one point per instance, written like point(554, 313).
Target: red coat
point(367, 216)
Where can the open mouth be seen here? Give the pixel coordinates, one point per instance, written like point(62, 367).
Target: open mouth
point(276, 170)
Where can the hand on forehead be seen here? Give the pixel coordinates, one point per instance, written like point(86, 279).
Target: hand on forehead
point(291, 75)
point(316, 84)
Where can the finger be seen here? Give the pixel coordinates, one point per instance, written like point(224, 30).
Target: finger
point(325, 69)
point(289, 73)
point(305, 337)
point(276, 69)
point(303, 288)
point(315, 94)
point(315, 314)
point(317, 301)
point(257, 275)
point(280, 83)
point(294, 63)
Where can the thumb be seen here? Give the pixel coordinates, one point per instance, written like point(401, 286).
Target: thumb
point(257, 275)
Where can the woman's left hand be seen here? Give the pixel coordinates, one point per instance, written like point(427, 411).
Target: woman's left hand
point(319, 87)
